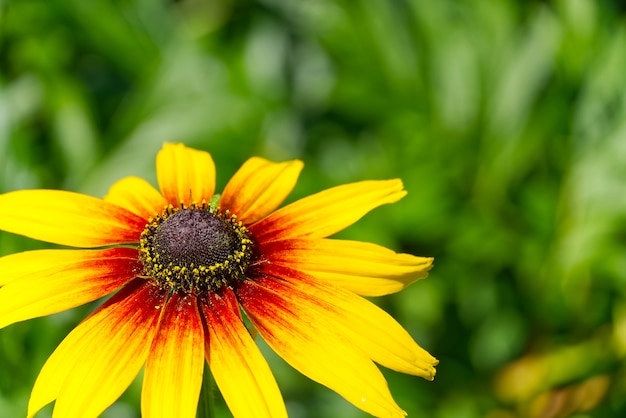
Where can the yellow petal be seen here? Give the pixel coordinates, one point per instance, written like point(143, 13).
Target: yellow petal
point(327, 212)
point(173, 376)
point(43, 282)
point(241, 373)
point(303, 334)
point(31, 263)
point(370, 328)
point(185, 175)
point(363, 268)
point(136, 195)
point(97, 361)
point(259, 187)
point(68, 218)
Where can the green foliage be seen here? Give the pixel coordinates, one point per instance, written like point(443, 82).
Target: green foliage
point(506, 121)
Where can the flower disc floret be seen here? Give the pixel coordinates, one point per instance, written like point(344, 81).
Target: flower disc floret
point(194, 249)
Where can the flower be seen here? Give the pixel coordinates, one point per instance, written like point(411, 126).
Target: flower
point(186, 263)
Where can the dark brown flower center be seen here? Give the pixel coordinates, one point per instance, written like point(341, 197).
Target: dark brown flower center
point(195, 249)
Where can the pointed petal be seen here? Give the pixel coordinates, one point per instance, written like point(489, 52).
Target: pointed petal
point(173, 376)
point(259, 187)
point(241, 373)
point(136, 195)
point(43, 282)
point(327, 212)
point(369, 327)
point(363, 268)
point(31, 263)
point(68, 218)
point(97, 361)
point(302, 332)
point(185, 175)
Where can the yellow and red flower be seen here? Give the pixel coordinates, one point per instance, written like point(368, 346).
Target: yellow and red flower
point(186, 263)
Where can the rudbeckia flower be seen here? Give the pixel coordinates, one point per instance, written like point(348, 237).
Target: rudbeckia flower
point(191, 271)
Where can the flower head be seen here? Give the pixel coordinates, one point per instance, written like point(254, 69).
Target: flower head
point(187, 265)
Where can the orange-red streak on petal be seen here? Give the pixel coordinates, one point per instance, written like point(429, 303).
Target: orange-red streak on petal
point(298, 328)
point(173, 376)
point(50, 281)
point(68, 218)
point(99, 359)
point(364, 268)
point(327, 212)
point(366, 325)
point(241, 373)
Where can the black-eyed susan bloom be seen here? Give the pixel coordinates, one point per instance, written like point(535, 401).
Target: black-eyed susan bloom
point(187, 265)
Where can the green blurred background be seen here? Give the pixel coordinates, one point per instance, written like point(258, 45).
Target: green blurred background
point(505, 119)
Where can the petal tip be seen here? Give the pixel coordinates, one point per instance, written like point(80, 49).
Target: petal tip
point(431, 371)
